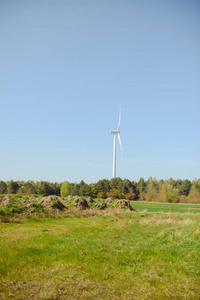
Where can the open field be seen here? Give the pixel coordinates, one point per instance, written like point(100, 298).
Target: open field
point(165, 207)
point(126, 255)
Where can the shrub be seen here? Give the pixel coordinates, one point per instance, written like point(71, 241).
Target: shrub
point(101, 195)
point(131, 195)
point(121, 196)
point(113, 193)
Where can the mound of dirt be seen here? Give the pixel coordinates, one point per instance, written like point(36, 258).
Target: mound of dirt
point(51, 203)
point(6, 200)
point(25, 202)
point(109, 200)
point(101, 205)
point(1, 198)
point(55, 198)
point(89, 200)
point(81, 203)
point(13, 205)
point(30, 205)
point(125, 203)
point(69, 197)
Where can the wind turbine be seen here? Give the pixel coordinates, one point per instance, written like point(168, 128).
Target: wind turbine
point(114, 145)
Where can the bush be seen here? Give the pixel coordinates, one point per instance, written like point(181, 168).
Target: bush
point(131, 194)
point(113, 193)
point(101, 195)
point(121, 196)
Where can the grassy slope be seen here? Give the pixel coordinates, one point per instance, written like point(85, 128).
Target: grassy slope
point(124, 256)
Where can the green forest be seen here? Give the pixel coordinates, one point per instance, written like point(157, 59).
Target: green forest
point(170, 190)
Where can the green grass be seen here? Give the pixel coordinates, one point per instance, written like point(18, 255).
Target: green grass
point(165, 207)
point(121, 256)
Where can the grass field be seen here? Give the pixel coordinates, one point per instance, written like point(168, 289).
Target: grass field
point(127, 255)
point(165, 207)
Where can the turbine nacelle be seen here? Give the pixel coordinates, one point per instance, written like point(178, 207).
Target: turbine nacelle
point(114, 131)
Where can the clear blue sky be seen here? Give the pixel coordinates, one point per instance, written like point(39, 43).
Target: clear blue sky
point(67, 65)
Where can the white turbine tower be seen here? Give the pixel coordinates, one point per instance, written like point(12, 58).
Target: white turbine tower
point(114, 146)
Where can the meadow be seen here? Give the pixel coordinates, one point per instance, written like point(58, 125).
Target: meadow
point(165, 207)
point(112, 255)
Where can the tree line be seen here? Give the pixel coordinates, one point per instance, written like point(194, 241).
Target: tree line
point(44, 188)
point(170, 190)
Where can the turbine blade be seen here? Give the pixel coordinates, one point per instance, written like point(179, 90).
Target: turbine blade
point(120, 143)
point(119, 117)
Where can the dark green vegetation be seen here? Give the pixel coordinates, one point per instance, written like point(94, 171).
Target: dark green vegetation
point(152, 190)
point(129, 255)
